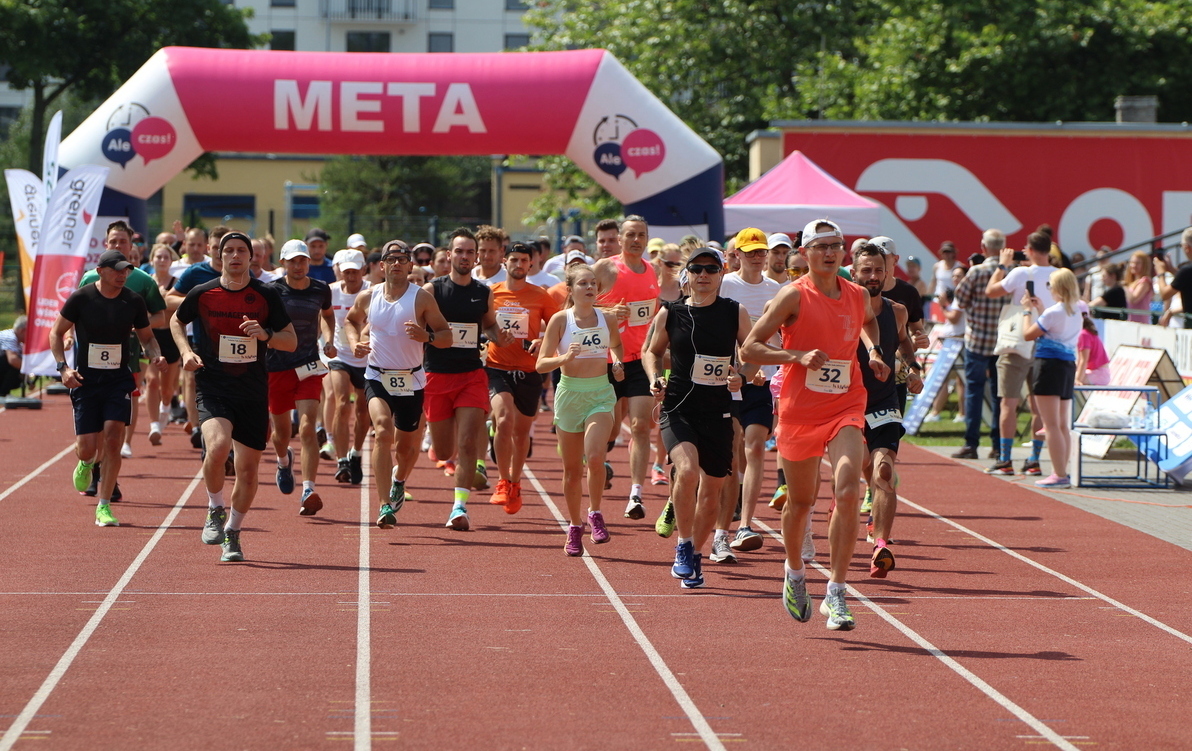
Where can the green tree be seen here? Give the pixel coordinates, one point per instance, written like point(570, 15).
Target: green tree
point(384, 197)
point(89, 47)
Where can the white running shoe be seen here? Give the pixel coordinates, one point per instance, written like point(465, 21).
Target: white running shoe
point(126, 451)
point(808, 553)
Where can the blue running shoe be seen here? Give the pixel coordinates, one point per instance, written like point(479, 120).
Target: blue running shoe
point(697, 577)
point(285, 475)
point(684, 566)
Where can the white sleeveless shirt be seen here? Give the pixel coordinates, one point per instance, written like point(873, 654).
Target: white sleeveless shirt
point(392, 348)
point(593, 341)
point(341, 304)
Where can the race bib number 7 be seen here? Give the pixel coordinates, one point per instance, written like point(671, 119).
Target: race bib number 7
point(237, 349)
point(464, 335)
point(832, 378)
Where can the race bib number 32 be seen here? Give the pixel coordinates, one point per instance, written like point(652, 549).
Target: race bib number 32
point(237, 349)
point(832, 378)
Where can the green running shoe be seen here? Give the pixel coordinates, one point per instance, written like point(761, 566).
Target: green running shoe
point(103, 516)
point(867, 503)
point(796, 599)
point(665, 526)
point(82, 475)
point(231, 546)
point(840, 618)
point(213, 527)
point(387, 517)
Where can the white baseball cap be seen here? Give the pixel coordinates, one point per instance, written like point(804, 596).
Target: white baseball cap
point(779, 238)
point(357, 241)
point(348, 259)
point(294, 249)
point(575, 255)
point(885, 243)
point(809, 233)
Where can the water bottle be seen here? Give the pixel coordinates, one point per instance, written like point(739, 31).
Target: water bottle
point(1151, 416)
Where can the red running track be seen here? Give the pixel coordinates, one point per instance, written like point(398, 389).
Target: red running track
point(1012, 622)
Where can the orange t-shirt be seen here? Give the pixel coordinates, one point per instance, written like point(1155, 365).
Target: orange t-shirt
point(524, 313)
point(833, 326)
point(558, 293)
point(640, 293)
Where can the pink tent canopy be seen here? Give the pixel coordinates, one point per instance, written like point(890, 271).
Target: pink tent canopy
point(792, 194)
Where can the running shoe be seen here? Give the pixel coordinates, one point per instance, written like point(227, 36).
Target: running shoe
point(665, 526)
point(882, 562)
point(342, 472)
point(808, 552)
point(285, 475)
point(397, 495)
point(84, 476)
point(869, 529)
point(387, 518)
point(658, 476)
point(355, 468)
point(722, 552)
point(311, 503)
point(746, 540)
point(480, 478)
point(93, 489)
point(154, 434)
point(796, 599)
point(458, 519)
point(772, 444)
point(840, 618)
point(779, 499)
point(103, 516)
point(196, 438)
point(117, 496)
point(575, 540)
point(126, 451)
point(320, 434)
point(684, 565)
point(867, 501)
point(500, 496)
point(608, 476)
point(1054, 481)
point(231, 546)
point(1031, 468)
point(327, 451)
point(697, 577)
point(213, 527)
point(515, 498)
point(1001, 468)
point(449, 467)
point(634, 509)
point(599, 531)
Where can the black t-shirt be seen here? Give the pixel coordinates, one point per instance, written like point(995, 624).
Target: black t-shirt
point(708, 330)
point(101, 325)
point(1114, 297)
point(1183, 284)
point(304, 306)
point(881, 394)
point(464, 307)
point(216, 312)
point(906, 294)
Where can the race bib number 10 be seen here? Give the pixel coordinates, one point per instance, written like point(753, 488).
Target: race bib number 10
point(832, 378)
point(464, 335)
point(237, 349)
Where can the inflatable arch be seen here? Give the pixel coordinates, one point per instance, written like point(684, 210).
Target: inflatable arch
point(582, 104)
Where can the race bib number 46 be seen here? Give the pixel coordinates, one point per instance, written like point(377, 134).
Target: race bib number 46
point(591, 342)
point(709, 371)
point(237, 349)
point(832, 378)
point(103, 356)
point(641, 313)
point(465, 335)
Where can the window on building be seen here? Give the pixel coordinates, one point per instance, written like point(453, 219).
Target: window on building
point(368, 41)
point(218, 207)
point(282, 40)
point(442, 4)
point(304, 207)
point(282, 3)
point(516, 41)
point(515, 5)
point(440, 42)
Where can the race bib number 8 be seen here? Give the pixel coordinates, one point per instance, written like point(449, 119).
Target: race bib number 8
point(832, 378)
point(398, 382)
point(591, 342)
point(641, 313)
point(237, 349)
point(515, 321)
point(103, 356)
point(464, 335)
point(880, 417)
point(709, 371)
point(318, 367)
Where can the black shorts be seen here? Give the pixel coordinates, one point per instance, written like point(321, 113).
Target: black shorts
point(710, 432)
point(756, 406)
point(525, 387)
point(406, 410)
point(165, 342)
point(249, 417)
point(1054, 377)
point(355, 373)
point(98, 402)
point(635, 383)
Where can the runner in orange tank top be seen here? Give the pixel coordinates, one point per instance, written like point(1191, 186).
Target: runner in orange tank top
point(821, 407)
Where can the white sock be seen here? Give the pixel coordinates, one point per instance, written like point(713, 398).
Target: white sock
point(721, 533)
point(215, 500)
point(353, 453)
point(794, 575)
point(684, 539)
point(235, 519)
point(155, 427)
point(635, 490)
point(308, 485)
point(284, 460)
point(837, 588)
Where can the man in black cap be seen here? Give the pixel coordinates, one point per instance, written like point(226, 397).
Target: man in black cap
point(101, 382)
point(321, 267)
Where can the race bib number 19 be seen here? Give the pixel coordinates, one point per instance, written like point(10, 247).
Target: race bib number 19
point(318, 367)
point(103, 356)
point(832, 378)
point(237, 349)
point(464, 335)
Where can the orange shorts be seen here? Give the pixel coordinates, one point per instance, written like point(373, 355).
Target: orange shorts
point(797, 442)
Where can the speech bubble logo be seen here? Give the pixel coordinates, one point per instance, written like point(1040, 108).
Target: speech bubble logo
point(117, 146)
point(608, 159)
point(643, 151)
point(153, 138)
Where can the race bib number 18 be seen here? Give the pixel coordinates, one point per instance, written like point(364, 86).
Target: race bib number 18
point(832, 378)
point(237, 349)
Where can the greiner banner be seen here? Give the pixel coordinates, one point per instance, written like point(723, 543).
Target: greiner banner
point(27, 195)
point(582, 103)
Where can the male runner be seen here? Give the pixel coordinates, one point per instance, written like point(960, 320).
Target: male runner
point(628, 290)
point(401, 318)
point(456, 398)
point(235, 319)
point(821, 407)
point(514, 385)
point(346, 371)
point(296, 377)
point(101, 383)
point(490, 249)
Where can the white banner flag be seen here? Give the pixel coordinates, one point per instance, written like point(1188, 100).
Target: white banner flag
point(28, 210)
point(60, 256)
point(49, 155)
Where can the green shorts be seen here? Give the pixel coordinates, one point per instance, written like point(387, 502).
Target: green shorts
point(577, 399)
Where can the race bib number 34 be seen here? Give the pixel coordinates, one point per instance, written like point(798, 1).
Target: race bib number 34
point(516, 321)
point(832, 378)
point(237, 349)
point(103, 356)
point(464, 335)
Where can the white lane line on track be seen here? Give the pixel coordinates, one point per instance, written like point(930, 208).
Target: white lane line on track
point(1050, 571)
point(363, 706)
point(47, 687)
point(698, 721)
point(998, 697)
point(24, 480)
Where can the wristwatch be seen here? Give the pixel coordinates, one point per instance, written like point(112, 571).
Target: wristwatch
point(430, 338)
point(877, 349)
point(60, 365)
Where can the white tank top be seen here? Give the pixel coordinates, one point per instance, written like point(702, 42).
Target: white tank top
point(593, 341)
point(392, 349)
point(341, 304)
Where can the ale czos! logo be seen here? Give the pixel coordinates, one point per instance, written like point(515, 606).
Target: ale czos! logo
point(621, 145)
point(132, 132)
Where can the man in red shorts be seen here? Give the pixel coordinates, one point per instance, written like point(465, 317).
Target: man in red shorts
point(821, 407)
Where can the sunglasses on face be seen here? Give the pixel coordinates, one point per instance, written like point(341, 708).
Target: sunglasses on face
point(705, 268)
point(751, 252)
point(673, 264)
point(796, 273)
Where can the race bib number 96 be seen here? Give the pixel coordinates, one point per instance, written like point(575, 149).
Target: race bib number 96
point(709, 371)
point(832, 378)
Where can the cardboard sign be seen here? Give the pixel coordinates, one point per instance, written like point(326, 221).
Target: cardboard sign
point(1130, 366)
point(937, 375)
